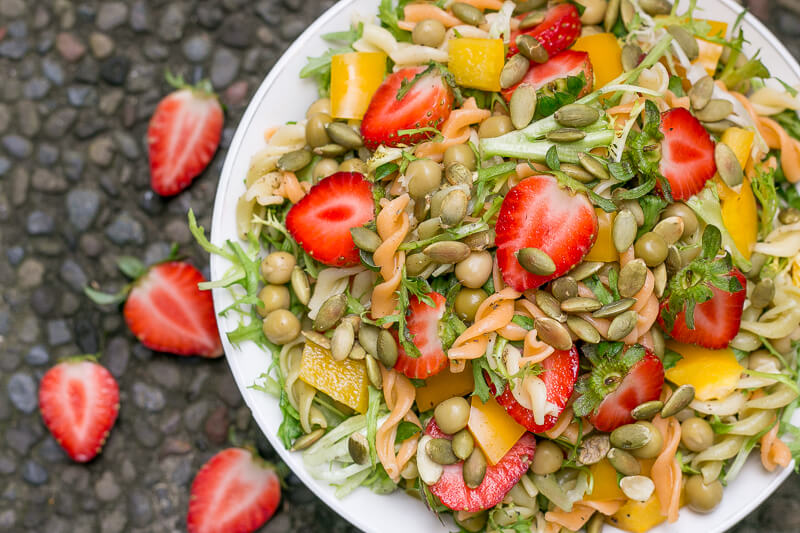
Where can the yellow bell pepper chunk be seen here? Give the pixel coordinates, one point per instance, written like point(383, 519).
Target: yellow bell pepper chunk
point(493, 429)
point(604, 53)
point(796, 272)
point(713, 373)
point(477, 63)
point(603, 249)
point(605, 485)
point(444, 385)
point(638, 517)
point(355, 77)
point(344, 381)
point(739, 210)
point(740, 141)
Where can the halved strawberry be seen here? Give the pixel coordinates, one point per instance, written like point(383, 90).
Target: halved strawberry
point(322, 220)
point(183, 134)
point(499, 479)
point(426, 104)
point(539, 213)
point(234, 492)
point(687, 153)
point(79, 402)
point(559, 376)
point(559, 29)
point(560, 66)
point(423, 324)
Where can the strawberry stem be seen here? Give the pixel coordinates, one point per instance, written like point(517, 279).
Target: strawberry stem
point(202, 88)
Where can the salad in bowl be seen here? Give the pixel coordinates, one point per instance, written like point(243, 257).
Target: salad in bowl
point(535, 264)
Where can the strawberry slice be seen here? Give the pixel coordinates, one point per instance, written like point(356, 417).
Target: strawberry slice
point(539, 213)
point(453, 492)
point(167, 312)
point(183, 134)
point(687, 153)
point(559, 376)
point(559, 29)
point(426, 104)
point(79, 402)
point(322, 220)
point(423, 324)
point(558, 67)
point(234, 492)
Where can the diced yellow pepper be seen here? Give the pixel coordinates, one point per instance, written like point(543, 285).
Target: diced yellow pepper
point(605, 55)
point(605, 485)
point(477, 63)
point(740, 141)
point(638, 517)
point(493, 429)
point(444, 385)
point(713, 373)
point(740, 215)
point(796, 272)
point(603, 249)
point(344, 381)
point(355, 77)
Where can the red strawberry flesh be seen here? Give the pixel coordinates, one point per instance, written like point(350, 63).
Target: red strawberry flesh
point(559, 29)
point(687, 153)
point(423, 324)
point(562, 65)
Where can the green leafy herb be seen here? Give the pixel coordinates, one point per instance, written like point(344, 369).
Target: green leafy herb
point(651, 207)
point(523, 321)
point(385, 170)
point(670, 358)
point(557, 94)
point(389, 15)
point(405, 431)
point(676, 86)
point(319, 69)
point(373, 410)
point(720, 427)
point(599, 290)
point(763, 185)
point(480, 367)
point(552, 159)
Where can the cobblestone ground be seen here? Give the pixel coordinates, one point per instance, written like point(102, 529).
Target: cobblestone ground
point(78, 82)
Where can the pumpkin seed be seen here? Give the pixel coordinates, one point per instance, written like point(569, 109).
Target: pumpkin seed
point(447, 251)
point(429, 471)
point(514, 70)
point(623, 462)
point(531, 48)
point(357, 353)
point(630, 57)
point(647, 410)
point(387, 348)
point(417, 263)
point(474, 469)
point(660, 275)
point(410, 471)
point(789, 215)
point(680, 400)
point(343, 135)
point(637, 211)
point(584, 330)
point(553, 333)
point(763, 293)
point(585, 269)
point(577, 172)
point(480, 241)
point(631, 278)
point(294, 161)
point(463, 444)
point(317, 338)
point(655, 7)
point(594, 167)
point(719, 126)
point(330, 150)
point(728, 166)
point(671, 228)
point(441, 451)
point(429, 228)
point(659, 344)
point(638, 488)
point(358, 447)
point(342, 341)
point(596, 523)
point(622, 325)
point(593, 449)
point(374, 372)
point(623, 232)
point(457, 174)
point(576, 115)
point(454, 208)
point(536, 261)
point(627, 13)
point(299, 282)
point(564, 287)
point(685, 40)
point(365, 239)
point(307, 440)
point(528, 5)
point(612, 14)
point(614, 308)
point(674, 262)
point(468, 14)
point(631, 436)
point(532, 19)
point(436, 202)
point(522, 106)
point(716, 110)
point(566, 135)
point(701, 92)
point(580, 304)
point(757, 261)
point(330, 312)
point(549, 305)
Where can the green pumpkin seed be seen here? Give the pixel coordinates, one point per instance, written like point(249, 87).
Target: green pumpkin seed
point(580, 304)
point(637, 488)
point(719, 126)
point(701, 92)
point(300, 286)
point(596, 523)
point(674, 262)
point(593, 166)
point(532, 19)
point(474, 469)
point(576, 115)
point(294, 161)
point(463, 444)
point(468, 14)
point(514, 70)
point(585, 269)
point(716, 110)
point(480, 241)
point(436, 202)
point(757, 261)
point(417, 263)
point(528, 5)
point(763, 293)
point(680, 400)
point(627, 13)
point(631, 436)
point(553, 333)
point(612, 14)
point(330, 150)
point(789, 215)
point(307, 440)
point(647, 410)
point(330, 312)
point(342, 341)
point(584, 330)
point(365, 239)
point(342, 134)
point(659, 344)
point(429, 228)
point(368, 338)
point(447, 252)
point(630, 57)
point(374, 372)
point(728, 166)
point(387, 348)
point(317, 338)
point(660, 284)
point(458, 174)
point(685, 40)
point(631, 278)
point(522, 106)
point(593, 449)
point(441, 451)
point(637, 211)
point(623, 462)
point(536, 261)
point(358, 447)
point(357, 353)
point(577, 172)
point(614, 308)
point(531, 48)
point(564, 287)
point(454, 208)
point(622, 325)
point(670, 228)
point(566, 135)
point(549, 305)
point(623, 231)
point(655, 7)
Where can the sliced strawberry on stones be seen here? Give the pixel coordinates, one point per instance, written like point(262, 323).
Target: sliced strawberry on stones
point(559, 29)
point(559, 376)
point(322, 220)
point(234, 492)
point(79, 402)
point(560, 66)
point(427, 104)
point(453, 492)
point(687, 153)
point(539, 213)
point(423, 324)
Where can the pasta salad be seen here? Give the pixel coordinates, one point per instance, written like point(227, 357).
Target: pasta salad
point(534, 263)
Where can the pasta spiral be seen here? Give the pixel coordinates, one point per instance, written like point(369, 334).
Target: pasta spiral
point(399, 393)
point(392, 223)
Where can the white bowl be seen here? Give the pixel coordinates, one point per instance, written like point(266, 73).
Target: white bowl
point(283, 97)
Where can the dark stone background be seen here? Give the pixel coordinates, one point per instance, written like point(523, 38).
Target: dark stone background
point(78, 82)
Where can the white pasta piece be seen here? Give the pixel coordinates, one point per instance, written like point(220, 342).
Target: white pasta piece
point(725, 449)
point(415, 54)
point(362, 45)
point(780, 397)
point(781, 242)
point(730, 405)
point(655, 78)
point(771, 101)
point(264, 189)
point(380, 38)
point(753, 424)
point(331, 281)
point(711, 471)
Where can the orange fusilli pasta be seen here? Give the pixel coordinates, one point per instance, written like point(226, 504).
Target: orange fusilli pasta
point(399, 393)
point(666, 471)
point(392, 224)
point(455, 129)
point(494, 313)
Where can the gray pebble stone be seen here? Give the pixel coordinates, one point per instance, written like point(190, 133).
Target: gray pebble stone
point(114, 70)
point(140, 16)
point(127, 145)
point(5, 165)
point(110, 101)
point(156, 252)
point(30, 273)
point(155, 50)
point(73, 275)
point(12, 8)
point(101, 45)
point(81, 95)
point(5, 117)
point(28, 330)
point(209, 15)
point(110, 15)
point(39, 223)
point(27, 118)
point(47, 154)
point(237, 30)
point(82, 207)
point(141, 78)
point(17, 146)
point(148, 397)
point(46, 181)
point(117, 354)
point(58, 332)
point(37, 355)
point(106, 488)
point(194, 415)
point(266, 10)
point(15, 255)
point(224, 68)
point(165, 373)
point(73, 163)
point(50, 451)
point(14, 48)
point(8, 518)
point(70, 47)
point(145, 433)
point(36, 88)
point(58, 123)
point(34, 473)
point(20, 439)
point(125, 230)
point(22, 392)
point(52, 70)
point(17, 28)
point(91, 245)
point(88, 70)
point(139, 508)
point(170, 28)
point(197, 47)
point(113, 522)
point(101, 151)
point(20, 180)
point(7, 463)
